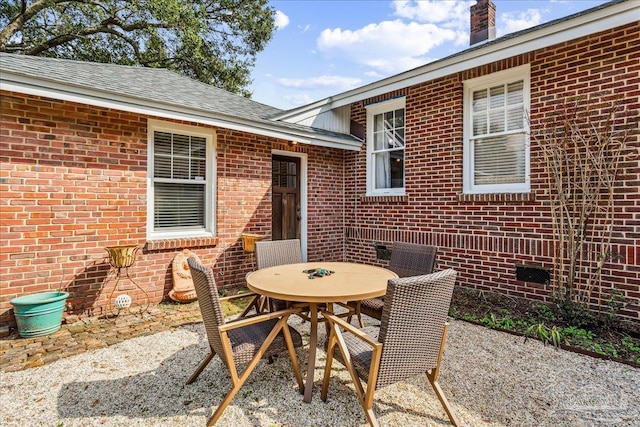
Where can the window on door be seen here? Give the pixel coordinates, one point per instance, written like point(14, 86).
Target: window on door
point(285, 195)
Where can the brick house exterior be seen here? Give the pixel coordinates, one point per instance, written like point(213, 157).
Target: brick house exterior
point(485, 236)
point(74, 181)
point(74, 178)
point(66, 197)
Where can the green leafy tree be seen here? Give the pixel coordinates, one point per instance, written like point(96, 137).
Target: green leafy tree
point(215, 42)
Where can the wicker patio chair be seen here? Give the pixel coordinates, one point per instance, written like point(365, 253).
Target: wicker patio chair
point(407, 259)
point(270, 253)
point(243, 341)
point(410, 339)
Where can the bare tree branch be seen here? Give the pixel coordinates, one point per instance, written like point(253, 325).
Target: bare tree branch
point(582, 153)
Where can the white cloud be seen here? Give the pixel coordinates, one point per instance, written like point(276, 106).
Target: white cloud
point(388, 47)
point(374, 75)
point(515, 21)
point(462, 38)
point(299, 98)
point(391, 47)
point(281, 20)
point(336, 83)
point(449, 12)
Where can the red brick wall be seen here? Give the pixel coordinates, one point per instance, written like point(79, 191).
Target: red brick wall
point(326, 206)
point(73, 181)
point(485, 236)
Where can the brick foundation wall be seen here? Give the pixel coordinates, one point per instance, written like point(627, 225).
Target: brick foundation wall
point(73, 181)
point(485, 236)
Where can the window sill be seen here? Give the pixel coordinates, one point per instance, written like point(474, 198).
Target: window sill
point(383, 198)
point(188, 242)
point(497, 197)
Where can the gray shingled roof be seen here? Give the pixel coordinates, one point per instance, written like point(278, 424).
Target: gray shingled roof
point(151, 84)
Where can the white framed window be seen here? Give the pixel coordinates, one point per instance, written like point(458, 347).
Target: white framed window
point(386, 147)
point(496, 142)
point(181, 181)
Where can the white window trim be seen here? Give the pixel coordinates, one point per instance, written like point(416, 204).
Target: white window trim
point(210, 191)
point(518, 73)
point(372, 110)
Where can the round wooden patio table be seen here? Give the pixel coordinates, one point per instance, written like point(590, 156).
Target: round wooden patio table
point(349, 282)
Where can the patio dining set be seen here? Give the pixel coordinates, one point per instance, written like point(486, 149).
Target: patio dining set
point(410, 300)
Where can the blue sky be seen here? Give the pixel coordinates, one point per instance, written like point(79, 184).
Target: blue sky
point(324, 47)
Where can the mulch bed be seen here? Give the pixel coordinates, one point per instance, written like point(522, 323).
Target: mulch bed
point(477, 307)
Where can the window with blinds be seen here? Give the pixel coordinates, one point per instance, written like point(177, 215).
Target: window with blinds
point(181, 179)
point(496, 154)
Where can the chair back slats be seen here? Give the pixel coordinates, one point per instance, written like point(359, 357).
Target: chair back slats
point(413, 320)
point(270, 253)
point(212, 315)
point(412, 259)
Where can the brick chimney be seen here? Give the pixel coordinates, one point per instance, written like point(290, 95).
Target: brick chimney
point(483, 22)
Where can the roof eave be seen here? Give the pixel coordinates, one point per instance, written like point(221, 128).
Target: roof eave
point(43, 87)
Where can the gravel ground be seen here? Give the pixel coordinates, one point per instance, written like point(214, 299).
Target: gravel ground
point(490, 378)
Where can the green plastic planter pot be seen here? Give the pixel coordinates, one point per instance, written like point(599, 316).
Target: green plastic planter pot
point(39, 314)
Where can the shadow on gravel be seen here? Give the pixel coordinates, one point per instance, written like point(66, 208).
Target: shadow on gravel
point(161, 397)
point(157, 393)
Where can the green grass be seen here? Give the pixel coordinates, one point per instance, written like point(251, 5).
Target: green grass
point(236, 305)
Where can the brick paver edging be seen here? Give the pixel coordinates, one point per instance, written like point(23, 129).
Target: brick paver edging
point(82, 334)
